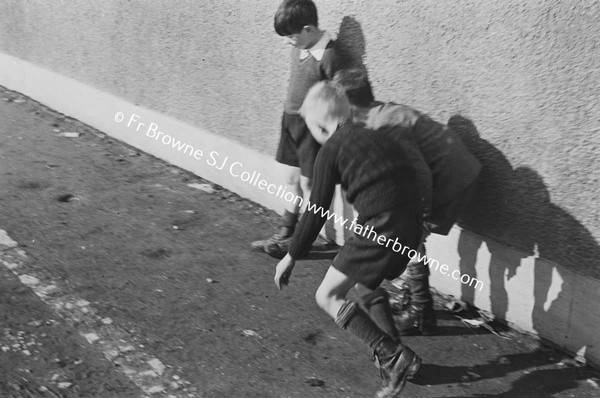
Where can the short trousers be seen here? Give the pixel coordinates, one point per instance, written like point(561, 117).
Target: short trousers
point(368, 262)
point(443, 217)
point(297, 147)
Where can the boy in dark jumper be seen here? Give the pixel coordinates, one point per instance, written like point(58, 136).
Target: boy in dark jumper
point(454, 173)
point(315, 57)
point(381, 184)
point(446, 185)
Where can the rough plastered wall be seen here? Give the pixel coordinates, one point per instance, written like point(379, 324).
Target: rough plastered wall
point(518, 79)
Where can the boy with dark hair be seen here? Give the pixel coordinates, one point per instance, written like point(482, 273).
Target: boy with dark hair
point(380, 182)
point(314, 58)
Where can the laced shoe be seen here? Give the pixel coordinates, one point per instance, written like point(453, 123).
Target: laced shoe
point(416, 319)
point(276, 245)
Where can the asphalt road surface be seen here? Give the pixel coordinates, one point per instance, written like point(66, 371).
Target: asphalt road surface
point(117, 279)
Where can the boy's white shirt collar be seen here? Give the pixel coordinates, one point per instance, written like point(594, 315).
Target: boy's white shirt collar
point(318, 49)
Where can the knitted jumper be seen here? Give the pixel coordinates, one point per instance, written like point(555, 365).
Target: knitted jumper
point(371, 166)
point(452, 165)
point(308, 71)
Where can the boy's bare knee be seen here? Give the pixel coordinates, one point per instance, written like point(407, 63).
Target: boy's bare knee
point(323, 298)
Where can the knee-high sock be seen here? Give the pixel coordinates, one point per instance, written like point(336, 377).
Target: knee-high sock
point(417, 278)
point(352, 318)
point(289, 220)
point(378, 304)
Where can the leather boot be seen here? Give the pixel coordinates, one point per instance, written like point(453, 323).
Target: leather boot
point(398, 363)
point(416, 319)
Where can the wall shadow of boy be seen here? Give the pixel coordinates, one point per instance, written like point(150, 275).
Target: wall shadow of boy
point(352, 46)
point(513, 207)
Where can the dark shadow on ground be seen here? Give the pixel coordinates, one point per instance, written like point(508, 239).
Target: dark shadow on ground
point(539, 383)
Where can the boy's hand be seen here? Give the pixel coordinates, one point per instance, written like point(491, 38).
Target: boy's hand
point(284, 271)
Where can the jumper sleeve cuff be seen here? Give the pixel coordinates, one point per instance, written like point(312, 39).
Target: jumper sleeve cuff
point(296, 251)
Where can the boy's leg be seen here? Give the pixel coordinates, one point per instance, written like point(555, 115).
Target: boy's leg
point(287, 156)
point(305, 186)
point(277, 244)
point(297, 149)
point(377, 303)
point(291, 209)
point(397, 361)
point(419, 317)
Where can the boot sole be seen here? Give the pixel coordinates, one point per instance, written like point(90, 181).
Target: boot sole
point(258, 246)
point(411, 371)
point(264, 246)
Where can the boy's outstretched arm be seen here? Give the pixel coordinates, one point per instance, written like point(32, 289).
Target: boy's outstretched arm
point(317, 210)
point(313, 218)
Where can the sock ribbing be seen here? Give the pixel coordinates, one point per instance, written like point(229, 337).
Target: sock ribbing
point(380, 311)
point(352, 318)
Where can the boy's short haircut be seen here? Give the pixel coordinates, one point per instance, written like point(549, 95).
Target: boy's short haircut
point(350, 78)
point(356, 84)
point(293, 15)
point(326, 98)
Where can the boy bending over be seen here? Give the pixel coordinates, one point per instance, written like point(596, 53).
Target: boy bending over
point(454, 174)
point(381, 184)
